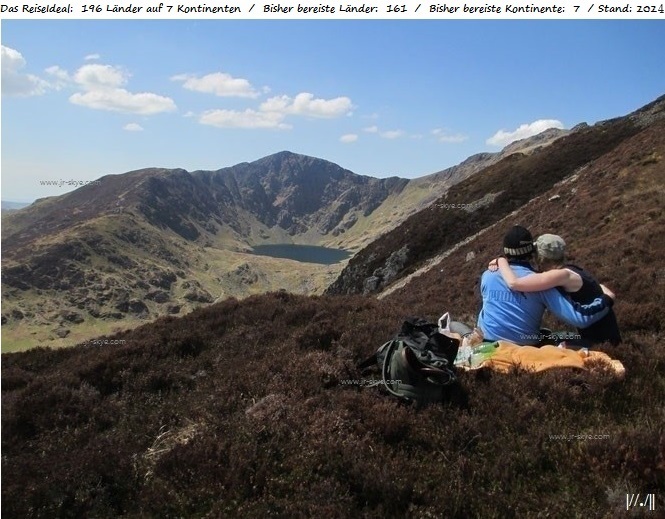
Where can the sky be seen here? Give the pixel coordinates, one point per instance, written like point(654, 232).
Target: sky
point(86, 98)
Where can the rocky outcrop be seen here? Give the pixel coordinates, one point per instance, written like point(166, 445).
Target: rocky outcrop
point(382, 276)
point(195, 293)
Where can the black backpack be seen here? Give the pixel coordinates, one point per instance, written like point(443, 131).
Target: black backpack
point(417, 364)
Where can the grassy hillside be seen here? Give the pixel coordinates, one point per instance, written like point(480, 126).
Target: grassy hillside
point(116, 273)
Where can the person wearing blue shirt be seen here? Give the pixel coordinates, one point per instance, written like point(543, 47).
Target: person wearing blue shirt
point(516, 316)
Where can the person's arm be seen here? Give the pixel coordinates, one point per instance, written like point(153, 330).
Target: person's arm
point(576, 314)
point(533, 282)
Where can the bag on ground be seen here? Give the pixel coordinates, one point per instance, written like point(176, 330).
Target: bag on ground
point(417, 364)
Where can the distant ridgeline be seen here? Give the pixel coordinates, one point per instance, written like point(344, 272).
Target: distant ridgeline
point(127, 248)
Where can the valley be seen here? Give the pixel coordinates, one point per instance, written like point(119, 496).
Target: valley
point(126, 249)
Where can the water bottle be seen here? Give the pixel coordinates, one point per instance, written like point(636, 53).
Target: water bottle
point(463, 356)
point(482, 353)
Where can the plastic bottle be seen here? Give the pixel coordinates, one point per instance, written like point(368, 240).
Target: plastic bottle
point(463, 356)
point(481, 353)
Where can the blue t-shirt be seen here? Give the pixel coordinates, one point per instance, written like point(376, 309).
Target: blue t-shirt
point(515, 316)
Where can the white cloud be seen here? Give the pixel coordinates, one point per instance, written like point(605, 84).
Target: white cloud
point(133, 127)
point(16, 83)
point(348, 138)
point(503, 137)
point(385, 134)
point(92, 57)
point(458, 137)
point(392, 134)
point(100, 85)
point(60, 77)
point(306, 104)
point(102, 91)
point(120, 100)
point(249, 119)
point(92, 77)
point(444, 136)
point(219, 83)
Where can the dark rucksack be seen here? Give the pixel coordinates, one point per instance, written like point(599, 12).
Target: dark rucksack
point(417, 364)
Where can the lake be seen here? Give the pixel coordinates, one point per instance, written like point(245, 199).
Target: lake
point(303, 253)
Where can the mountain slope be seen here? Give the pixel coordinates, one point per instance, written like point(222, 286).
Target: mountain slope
point(420, 192)
point(131, 247)
point(297, 193)
point(611, 215)
point(472, 205)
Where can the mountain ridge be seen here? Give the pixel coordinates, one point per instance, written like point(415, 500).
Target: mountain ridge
point(237, 185)
point(157, 241)
point(160, 241)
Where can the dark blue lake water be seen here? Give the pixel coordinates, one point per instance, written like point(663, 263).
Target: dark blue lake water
point(303, 253)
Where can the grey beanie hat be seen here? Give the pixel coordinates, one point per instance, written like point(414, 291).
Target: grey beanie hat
point(551, 247)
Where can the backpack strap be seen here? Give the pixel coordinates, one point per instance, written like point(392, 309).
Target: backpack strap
point(374, 359)
point(392, 346)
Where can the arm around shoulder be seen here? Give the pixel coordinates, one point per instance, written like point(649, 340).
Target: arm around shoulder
point(535, 282)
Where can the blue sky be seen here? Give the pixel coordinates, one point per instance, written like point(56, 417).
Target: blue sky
point(82, 99)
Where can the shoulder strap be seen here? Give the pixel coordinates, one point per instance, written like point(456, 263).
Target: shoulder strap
point(374, 359)
point(386, 368)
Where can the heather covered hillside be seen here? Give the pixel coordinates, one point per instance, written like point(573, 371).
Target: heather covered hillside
point(610, 213)
point(471, 206)
point(239, 410)
point(243, 408)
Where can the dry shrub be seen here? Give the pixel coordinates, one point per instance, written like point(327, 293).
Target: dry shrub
point(284, 436)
